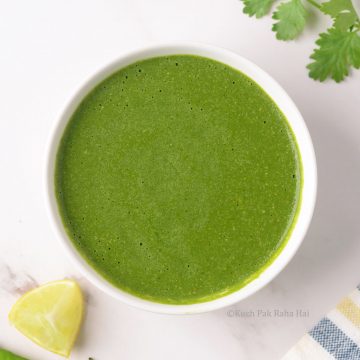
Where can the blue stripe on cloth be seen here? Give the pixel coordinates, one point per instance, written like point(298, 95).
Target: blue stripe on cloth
point(332, 339)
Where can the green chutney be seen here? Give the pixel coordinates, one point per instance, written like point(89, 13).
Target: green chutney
point(178, 179)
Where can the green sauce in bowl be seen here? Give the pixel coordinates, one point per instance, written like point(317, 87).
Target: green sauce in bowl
point(178, 179)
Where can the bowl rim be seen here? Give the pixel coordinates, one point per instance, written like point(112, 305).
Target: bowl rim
point(297, 123)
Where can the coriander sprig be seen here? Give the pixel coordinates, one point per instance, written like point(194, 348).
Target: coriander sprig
point(338, 48)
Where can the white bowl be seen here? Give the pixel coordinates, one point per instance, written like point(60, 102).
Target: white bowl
point(305, 146)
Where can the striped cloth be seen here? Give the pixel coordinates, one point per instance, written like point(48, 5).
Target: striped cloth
point(336, 336)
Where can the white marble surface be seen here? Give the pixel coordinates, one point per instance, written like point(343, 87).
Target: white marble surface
point(48, 48)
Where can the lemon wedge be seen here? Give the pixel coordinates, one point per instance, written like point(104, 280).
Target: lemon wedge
point(50, 315)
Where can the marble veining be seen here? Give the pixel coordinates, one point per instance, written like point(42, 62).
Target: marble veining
point(15, 282)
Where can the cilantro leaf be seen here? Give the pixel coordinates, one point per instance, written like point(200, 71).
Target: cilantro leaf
point(342, 11)
point(337, 51)
point(335, 7)
point(345, 20)
point(258, 8)
point(291, 18)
